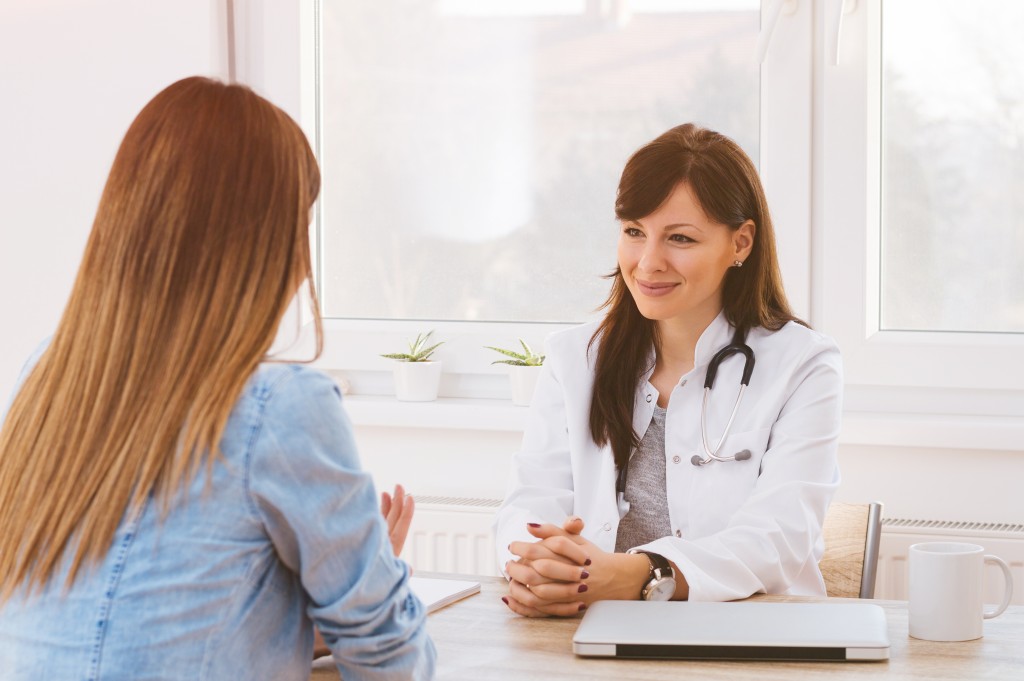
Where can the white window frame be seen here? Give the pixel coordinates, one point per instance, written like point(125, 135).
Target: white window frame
point(930, 389)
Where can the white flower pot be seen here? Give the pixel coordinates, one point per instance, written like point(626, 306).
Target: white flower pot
point(523, 381)
point(417, 381)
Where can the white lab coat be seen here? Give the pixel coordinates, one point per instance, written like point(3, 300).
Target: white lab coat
point(739, 527)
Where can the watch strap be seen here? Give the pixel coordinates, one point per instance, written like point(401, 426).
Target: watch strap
point(660, 569)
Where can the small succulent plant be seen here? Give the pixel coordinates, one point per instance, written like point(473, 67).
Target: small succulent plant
point(419, 351)
point(526, 358)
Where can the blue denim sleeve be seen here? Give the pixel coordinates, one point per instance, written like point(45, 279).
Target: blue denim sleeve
point(320, 510)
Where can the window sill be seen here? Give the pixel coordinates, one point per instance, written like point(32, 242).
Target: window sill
point(445, 413)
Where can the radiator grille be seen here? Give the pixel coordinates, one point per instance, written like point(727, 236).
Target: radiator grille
point(453, 534)
point(1012, 530)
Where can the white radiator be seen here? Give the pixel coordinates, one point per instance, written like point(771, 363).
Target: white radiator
point(1003, 540)
point(453, 534)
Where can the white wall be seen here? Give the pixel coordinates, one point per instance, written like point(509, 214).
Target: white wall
point(73, 74)
point(935, 483)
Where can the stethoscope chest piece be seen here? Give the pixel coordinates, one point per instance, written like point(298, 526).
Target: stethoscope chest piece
point(741, 455)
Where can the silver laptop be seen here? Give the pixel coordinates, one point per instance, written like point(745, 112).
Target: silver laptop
point(679, 630)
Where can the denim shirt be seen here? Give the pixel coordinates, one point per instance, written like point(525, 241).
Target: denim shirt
point(230, 582)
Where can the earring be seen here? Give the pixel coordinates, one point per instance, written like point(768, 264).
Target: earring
point(737, 263)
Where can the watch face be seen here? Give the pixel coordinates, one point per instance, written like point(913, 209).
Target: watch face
point(662, 590)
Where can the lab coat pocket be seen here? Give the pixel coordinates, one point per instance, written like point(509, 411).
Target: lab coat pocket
point(721, 487)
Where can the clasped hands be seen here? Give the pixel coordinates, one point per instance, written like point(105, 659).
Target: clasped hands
point(562, 573)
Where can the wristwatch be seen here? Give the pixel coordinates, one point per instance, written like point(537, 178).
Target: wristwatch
point(661, 585)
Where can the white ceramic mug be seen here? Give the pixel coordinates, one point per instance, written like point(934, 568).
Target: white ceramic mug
point(946, 586)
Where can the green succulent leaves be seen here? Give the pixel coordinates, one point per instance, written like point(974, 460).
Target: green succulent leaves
point(526, 358)
point(419, 351)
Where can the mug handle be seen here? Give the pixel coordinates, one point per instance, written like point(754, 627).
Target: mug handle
point(1007, 593)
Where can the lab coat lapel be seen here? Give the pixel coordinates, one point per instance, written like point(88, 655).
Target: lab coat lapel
point(644, 400)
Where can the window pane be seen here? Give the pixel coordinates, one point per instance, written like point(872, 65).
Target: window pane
point(953, 165)
point(471, 150)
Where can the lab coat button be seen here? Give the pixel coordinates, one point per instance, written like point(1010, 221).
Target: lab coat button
point(607, 527)
point(648, 397)
point(679, 533)
point(676, 459)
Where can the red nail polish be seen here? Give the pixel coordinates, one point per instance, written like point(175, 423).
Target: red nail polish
point(504, 599)
point(583, 587)
point(584, 574)
point(583, 606)
point(533, 524)
point(586, 562)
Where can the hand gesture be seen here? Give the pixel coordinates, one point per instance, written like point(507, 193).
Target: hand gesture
point(398, 511)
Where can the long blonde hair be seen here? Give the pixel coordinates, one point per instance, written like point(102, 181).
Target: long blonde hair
point(199, 244)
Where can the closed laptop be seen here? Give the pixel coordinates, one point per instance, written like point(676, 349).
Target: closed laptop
point(748, 630)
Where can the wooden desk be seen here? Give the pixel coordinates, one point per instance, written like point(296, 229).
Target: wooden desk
point(479, 639)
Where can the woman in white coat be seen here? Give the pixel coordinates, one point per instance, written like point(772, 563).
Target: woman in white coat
point(626, 487)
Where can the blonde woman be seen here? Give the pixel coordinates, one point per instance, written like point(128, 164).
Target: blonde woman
point(173, 506)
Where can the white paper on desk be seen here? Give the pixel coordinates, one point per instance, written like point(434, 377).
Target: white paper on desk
point(436, 592)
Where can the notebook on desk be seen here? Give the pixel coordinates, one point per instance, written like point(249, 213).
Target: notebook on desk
point(733, 631)
point(437, 592)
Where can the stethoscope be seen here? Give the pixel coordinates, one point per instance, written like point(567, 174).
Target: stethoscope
point(738, 345)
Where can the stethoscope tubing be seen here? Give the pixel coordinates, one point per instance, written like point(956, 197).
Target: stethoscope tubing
point(737, 346)
point(712, 455)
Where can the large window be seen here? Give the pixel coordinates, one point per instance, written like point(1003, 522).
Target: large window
point(952, 135)
point(486, 138)
point(471, 148)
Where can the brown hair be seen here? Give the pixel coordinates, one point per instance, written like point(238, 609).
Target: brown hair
point(725, 183)
point(199, 242)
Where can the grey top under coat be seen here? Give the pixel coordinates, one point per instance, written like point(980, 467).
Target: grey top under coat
point(648, 517)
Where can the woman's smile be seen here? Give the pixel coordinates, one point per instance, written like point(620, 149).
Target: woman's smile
point(655, 289)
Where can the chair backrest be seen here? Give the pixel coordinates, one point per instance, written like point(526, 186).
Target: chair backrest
point(850, 562)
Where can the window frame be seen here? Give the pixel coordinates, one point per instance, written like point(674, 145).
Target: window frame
point(925, 388)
